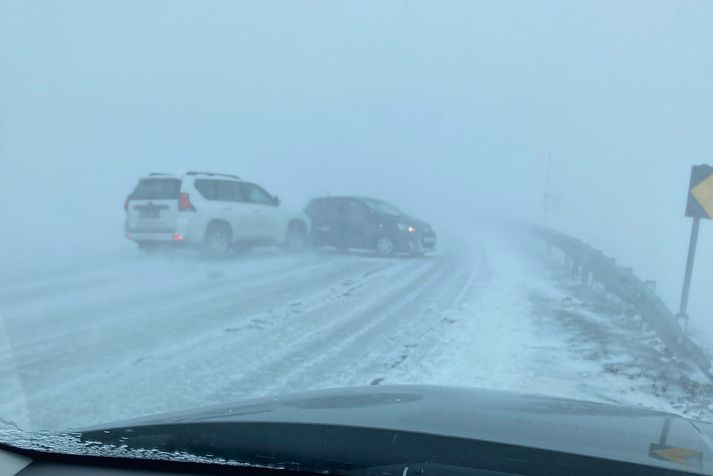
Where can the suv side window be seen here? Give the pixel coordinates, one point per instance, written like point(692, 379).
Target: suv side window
point(231, 191)
point(220, 190)
point(257, 195)
point(207, 188)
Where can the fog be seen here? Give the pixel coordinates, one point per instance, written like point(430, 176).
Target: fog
point(448, 109)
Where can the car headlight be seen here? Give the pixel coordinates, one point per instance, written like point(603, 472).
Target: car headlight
point(408, 228)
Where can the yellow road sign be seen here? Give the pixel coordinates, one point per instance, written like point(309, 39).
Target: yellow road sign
point(700, 193)
point(704, 194)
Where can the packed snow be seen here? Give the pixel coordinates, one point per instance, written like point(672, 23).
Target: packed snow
point(139, 335)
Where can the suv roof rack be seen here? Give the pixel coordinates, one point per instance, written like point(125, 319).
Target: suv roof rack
point(211, 174)
point(152, 174)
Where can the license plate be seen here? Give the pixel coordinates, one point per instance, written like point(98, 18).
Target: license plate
point(150, 213)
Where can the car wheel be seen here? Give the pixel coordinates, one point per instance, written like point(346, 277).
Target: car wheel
point(216, 242)
point(385, 246)
point(296, 238)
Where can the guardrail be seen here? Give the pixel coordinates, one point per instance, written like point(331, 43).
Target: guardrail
point(592, 264)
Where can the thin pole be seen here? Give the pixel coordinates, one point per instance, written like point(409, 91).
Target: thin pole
point(682, 313)
point(546, 204)
point(664, 431)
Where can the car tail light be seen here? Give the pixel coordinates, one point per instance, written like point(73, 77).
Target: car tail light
point(177, 237)
point(126, 203)
point(184, 203)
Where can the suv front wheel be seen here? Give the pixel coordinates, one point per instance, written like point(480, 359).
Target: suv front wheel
point(296, 239)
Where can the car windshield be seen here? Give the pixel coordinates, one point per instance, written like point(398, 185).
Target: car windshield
point(187, 197)
point(381, 206)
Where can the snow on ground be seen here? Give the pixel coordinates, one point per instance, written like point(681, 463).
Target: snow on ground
point(548, 334)
point(155, 334)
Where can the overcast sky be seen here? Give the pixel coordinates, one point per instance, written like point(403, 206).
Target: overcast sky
point(447, 108)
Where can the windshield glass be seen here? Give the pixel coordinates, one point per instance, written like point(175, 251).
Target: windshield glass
point(381, 206)
point(183, 223)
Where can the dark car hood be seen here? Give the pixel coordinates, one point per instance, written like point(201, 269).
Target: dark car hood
point(590, 429)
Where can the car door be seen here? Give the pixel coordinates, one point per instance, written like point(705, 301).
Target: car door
point(217, 203)
point(239, 210)
point(360, 224)
point(265, 214)
point(340, 235)
point(322, 212)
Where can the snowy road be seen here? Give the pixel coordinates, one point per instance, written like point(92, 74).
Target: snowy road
point(156, 334)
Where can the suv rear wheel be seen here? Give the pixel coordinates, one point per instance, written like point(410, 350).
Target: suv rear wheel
point(216, 242)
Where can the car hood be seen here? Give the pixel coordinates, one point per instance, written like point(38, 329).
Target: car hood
point(590, 429)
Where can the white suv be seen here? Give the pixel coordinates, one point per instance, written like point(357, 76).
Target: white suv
point(211, 211)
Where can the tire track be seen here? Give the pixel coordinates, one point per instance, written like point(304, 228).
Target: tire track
point(64, 325)
point(147, 327)
point(146, 289)
point(333, 342)
point(146, 352)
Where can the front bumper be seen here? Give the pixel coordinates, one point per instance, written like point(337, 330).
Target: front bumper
point(418, 242)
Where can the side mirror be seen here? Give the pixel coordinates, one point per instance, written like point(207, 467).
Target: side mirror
point(276, 201)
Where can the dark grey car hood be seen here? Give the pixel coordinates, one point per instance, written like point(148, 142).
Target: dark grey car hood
point(591, 429)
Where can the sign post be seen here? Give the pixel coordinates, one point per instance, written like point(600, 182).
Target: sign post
point(699, 206)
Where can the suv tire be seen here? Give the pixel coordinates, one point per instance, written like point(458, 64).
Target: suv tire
point(216, 242)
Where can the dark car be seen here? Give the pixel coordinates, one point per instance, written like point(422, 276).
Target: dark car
point(367, 223)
